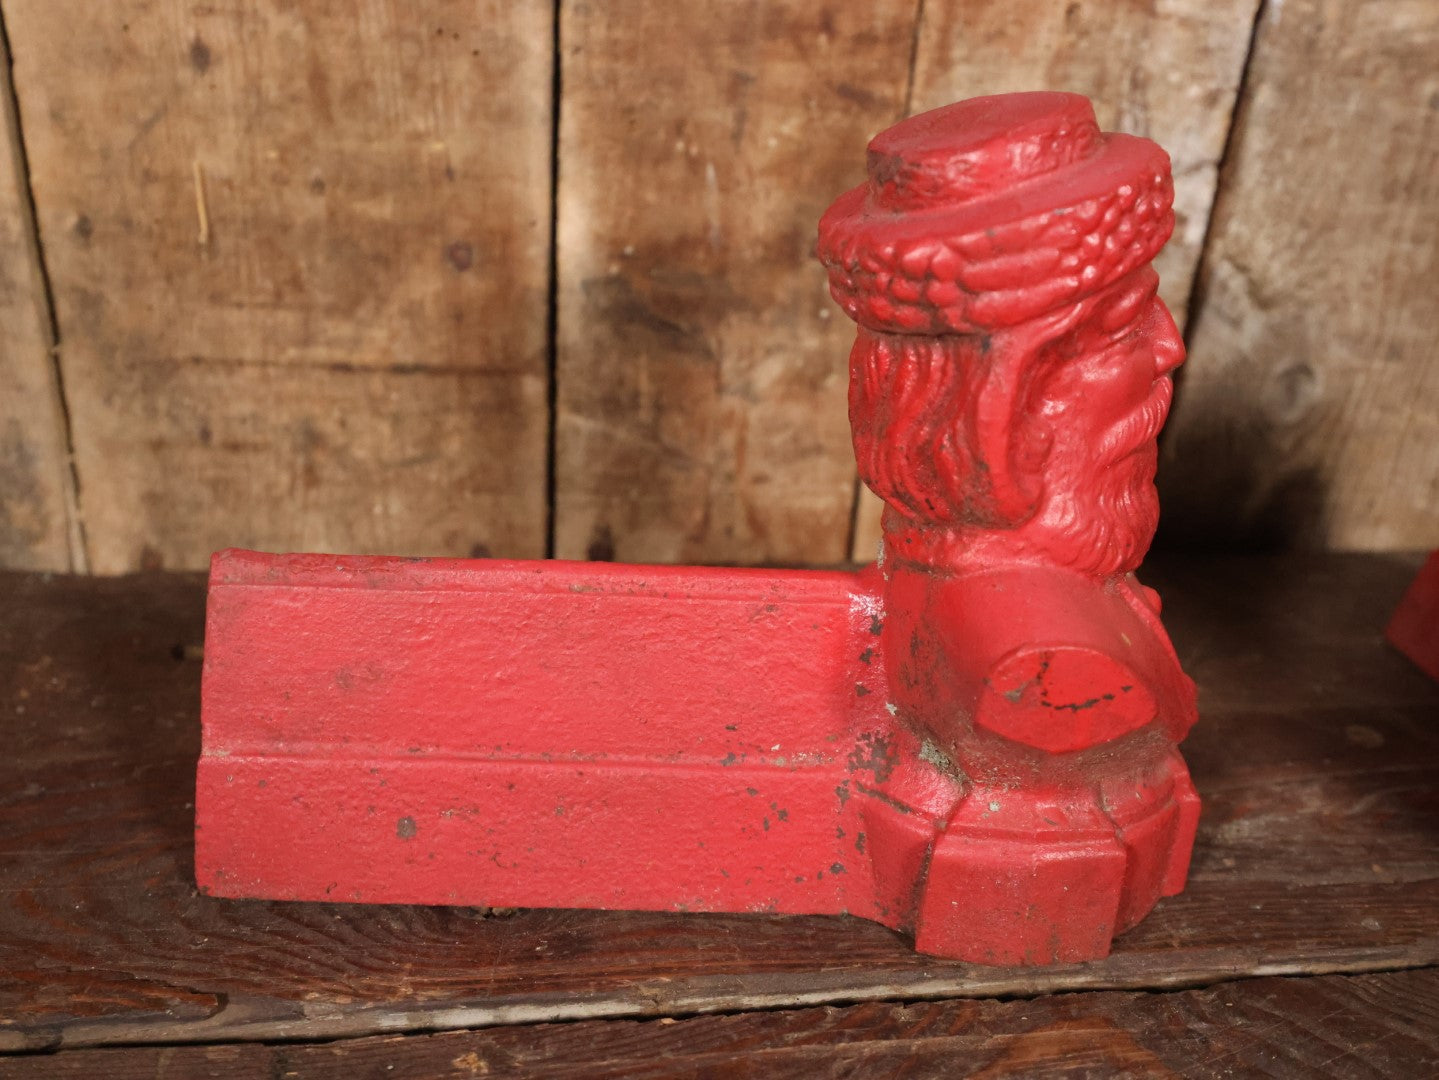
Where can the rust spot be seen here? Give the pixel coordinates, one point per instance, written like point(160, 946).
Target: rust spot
point(875, 754)
point(406, 828)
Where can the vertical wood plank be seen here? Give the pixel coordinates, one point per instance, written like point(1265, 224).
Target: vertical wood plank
point(299, 259)
point(36, 485)
point(1310, 413)
point(1168, 71)
point(702, 368)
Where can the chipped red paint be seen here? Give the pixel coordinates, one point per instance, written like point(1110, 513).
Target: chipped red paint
point(973, 741)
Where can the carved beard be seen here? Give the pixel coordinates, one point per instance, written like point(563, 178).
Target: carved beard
point(1100, 519)
point(1114, 517)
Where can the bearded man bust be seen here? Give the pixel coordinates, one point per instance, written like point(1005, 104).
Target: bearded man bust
point(1008, 382)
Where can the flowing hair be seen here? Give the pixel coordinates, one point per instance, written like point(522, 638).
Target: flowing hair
point(939, 425)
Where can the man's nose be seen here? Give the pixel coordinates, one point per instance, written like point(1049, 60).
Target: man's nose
point(1168, 344)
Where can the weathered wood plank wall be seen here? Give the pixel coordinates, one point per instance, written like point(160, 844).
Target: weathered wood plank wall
point(1310, 412)
point(299, 262)
point(300, 265)
point(37, 520)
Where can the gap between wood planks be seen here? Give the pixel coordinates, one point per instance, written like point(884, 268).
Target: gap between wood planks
point(645, 1003)
point(1198, 286)
point(1271, 1026)
point(552, 289)
point(30, 227)
point(852, 533)
point(383, 1019)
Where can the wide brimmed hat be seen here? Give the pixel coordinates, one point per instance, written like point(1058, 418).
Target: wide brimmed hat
point(989, 212)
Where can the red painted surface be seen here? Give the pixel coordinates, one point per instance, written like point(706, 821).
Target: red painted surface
point(974, 741)
point(537, 734)
point(1414, 628)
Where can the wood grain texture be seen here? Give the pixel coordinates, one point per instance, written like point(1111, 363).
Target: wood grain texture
point(702, 367)
point(1309, 416)
point(1362, 1026)
point(1316, 755)
point(37, 520)
point(1169, 71)
point(299, 257)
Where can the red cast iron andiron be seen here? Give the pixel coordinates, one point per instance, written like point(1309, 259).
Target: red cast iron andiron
point(973, 741)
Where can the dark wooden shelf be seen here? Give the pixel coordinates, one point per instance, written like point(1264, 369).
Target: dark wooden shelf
point(1317, 756)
